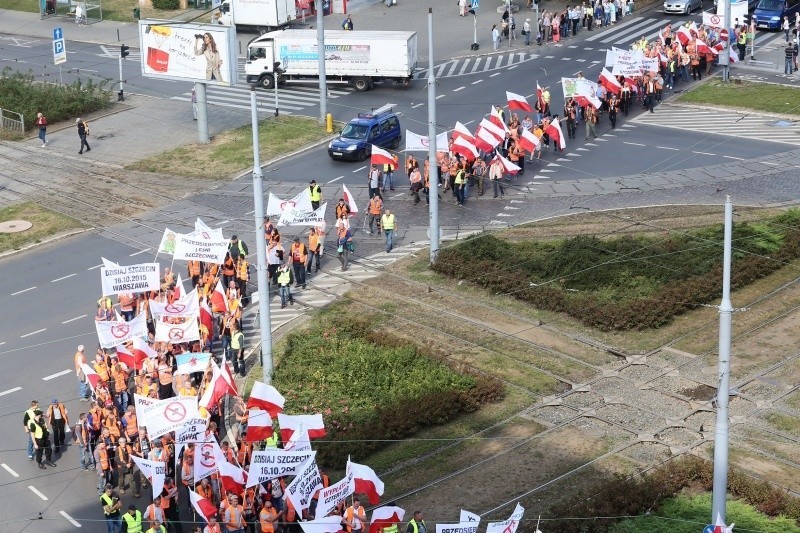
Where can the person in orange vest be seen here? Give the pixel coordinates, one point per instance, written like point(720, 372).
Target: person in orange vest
point(375, 210)
point(314, 249)
point(342, 209)
point(194, 268)
point(169, 503)
point(242, 276)
point(103, 462)
point(291, 515)
point(155, 512)
point(94, 422)
point(124, 459)
point(298, 254)
point(268, 517)
point(129, 424)
point(234, 516)
point(213, 526)
point(250, 506)
point(205, 490)
point(58, 420)
point(228, 270)
point(354, 517)
point(119, 376)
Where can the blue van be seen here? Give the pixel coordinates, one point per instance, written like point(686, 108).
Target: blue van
point(769, 13)
point(380, 127)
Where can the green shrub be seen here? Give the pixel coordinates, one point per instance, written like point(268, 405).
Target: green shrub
point(21, 93)
point(166, 4)
point(372, 387)
point(629, 282)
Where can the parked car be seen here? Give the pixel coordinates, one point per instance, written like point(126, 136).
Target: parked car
point(769, 13)
point(682, 6)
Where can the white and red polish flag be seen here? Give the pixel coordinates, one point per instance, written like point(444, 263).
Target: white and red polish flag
point(384, 517)
point(219, 302)
point(609, 82)
point(266, 397)
point(366, 481)
point(485, 140)
point(461, 131)
point(464, 147)
point(381, 156)
point(311, 423)
point(351, 202)
point(554, 131)
point(259, 425)
point(204, 508)
point(528, 140)
point(518, 102)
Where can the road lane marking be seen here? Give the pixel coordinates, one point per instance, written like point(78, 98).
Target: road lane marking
point(56, 375)
point(440, 96)
point(223, 222)
point(62, 277)
point(476, 82)
point(416, 106)
point(96, 266)
point(770, 163)
point(23, 290)
point(140, 252)
point(733, 157)
point(32, 333)
point(459, 89)
point(37, 492)
point(73, 319)
point(9, 470)
point(68, 517)
point(632, 144)
point(359, 169)
point(9, 391)
point(2, 343)
point(667, 148)
point(703, 153)
point(334, 179)
point(493, 75)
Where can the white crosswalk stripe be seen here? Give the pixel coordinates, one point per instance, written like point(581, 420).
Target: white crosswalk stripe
point(471, 65)
point(719, 122)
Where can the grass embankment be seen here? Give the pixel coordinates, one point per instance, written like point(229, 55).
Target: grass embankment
point(371, 386)
point(45, 224)
point(117, 10)
point(768, 97)
point(624, 283)
point(232, 151)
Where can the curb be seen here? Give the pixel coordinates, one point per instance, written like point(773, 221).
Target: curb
point(48, 240)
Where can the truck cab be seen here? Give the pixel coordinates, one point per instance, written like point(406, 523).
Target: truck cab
point(380, 127)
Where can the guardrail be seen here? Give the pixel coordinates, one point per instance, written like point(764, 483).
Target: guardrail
point(9, 122)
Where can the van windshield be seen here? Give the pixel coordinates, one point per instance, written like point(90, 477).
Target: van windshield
point(355, 131)
point(770, 5)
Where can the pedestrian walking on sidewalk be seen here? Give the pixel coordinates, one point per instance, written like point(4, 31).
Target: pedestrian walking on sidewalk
point(83, 132)
point(285, 278)
point(41, 122)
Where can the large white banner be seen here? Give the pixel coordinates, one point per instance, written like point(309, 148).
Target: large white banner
point(113, 332)
point(170, 414)
point(331, 496)
point(304, 485)
point(141, 403)
point(275, 462)
point(295, 217)
point(713, 20)
point(186, 307)
point(301, 202)
point(420, 143)
point(177, 333)
point(197, 247)
point(507, 526)
point(193, 430)
point(206, 456)
point(650, 64)
point(132, 278)
point(738, 11)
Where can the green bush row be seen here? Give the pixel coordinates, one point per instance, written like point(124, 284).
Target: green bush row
point(21, 93)
point(624, 495)
point(372, 387)
point(166, 4)
point(624, 283)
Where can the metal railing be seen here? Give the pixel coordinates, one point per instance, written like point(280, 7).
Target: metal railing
point(12, 121)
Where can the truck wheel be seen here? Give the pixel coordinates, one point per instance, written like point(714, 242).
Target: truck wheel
point(361, 84)
point(267, 81)
point(362, 154)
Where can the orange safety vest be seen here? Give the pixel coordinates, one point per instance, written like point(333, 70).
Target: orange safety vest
point(237, 517)
point(205, 492)
point(125, 458)
point(60, 408)
point(101, 370)
point(326, 482)
point(263, 518)
point(243, 270)
point(243, 455)
point(313, 242)
point(194, 268)
point(96, 418)
point(185, 469)
point(291, 514)
point(298, 253)
point(375, 206)
point(228, 268)
point(104, 459)
point(132, 427)
point(112, 425)
point(361, 515)
point(249, 499)
point(120, 380)
point(166, 502)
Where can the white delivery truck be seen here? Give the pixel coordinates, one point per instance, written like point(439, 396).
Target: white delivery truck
point(358, 58)
point(261, 15)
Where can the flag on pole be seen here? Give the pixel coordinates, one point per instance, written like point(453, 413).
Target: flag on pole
point(554, 131)
point(259, 425)
point(493, 129)
point(381, 156)
point(154, 471)
point(508, 166)
point(518, 102)
point(216, 389)
point(206, 318)
point(497, 119)
point(529, 141)
point(180, 292)
point(204, 508)
point(367, 481)
point(351, 202)
point(91, 376)
point(461, 131)
point(384, 517)
point(191, 362)
point(219, 302)
point(311, 423)
point(267, 398)
point(609, 82)
point(463, 146)
point(140, 347)
point(233, 478)
point(132, 360)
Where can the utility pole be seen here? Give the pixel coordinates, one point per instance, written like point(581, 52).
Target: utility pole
point(264, 321)
point(726, 55)
point(323, 83)
point(433, 189)
point(202, 112)
point(720, 485)
point(123, 53)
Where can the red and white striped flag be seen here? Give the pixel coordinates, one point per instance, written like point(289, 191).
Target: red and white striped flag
point(518, 102)
point(464, 147)
point(204, 508)
point(461, 131)
point(219, 302)
point(528, 140)
point(259, 425)
point(311, 423)
point(367, 481)
point(554, 131)
point(381, 156)
point(351, 202)
point(266, 397)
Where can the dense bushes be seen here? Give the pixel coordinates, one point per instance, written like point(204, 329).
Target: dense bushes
point(372, 387)
point(22, 94)
point(623, 495)
point(631, 282)
point(166, 4)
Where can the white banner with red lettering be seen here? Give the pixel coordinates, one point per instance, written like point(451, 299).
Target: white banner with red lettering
point(331, 496)
point(186, 307)
point(420, 143)
point(201, 246)
point(177, 333)
point(113, 332)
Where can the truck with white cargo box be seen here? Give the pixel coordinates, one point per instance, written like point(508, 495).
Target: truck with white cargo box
point(260, 15)
point(357, 58)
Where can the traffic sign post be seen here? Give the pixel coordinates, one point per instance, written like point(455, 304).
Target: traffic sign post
point(59, 50)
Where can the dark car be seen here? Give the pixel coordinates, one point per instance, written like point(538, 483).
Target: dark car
point(380, 127)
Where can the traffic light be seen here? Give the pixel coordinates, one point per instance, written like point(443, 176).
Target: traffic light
point(123, 51)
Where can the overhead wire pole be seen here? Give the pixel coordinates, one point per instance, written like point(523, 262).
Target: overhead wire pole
point(323, 83)
point(433, 191)
point(726, 56)
point(261, 249)
point(721, 437)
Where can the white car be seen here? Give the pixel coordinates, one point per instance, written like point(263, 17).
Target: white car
point(682, 6)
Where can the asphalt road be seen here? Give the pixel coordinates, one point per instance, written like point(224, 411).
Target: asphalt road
point(50, 291)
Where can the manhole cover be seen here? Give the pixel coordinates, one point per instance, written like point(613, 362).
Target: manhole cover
point(15, 226)
point(782, 124)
